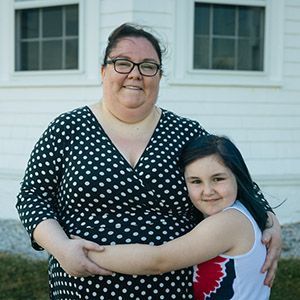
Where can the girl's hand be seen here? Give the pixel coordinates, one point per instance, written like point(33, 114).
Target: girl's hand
point(272, 239)
point(74, 260)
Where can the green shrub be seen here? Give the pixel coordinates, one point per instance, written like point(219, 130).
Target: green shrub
point(23, 279)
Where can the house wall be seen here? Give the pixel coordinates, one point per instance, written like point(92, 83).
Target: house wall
point(263, 120)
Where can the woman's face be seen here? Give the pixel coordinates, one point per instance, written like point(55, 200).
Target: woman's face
point(211, 185)
point(131, 94)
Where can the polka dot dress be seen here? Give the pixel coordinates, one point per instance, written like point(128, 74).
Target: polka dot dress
point(77, 176)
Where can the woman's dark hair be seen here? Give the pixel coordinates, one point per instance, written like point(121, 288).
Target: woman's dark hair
point(231, 157)
point(132, 30)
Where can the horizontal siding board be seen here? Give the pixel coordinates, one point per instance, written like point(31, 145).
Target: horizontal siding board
point(193, 94)
point(260, 135)
point(119, 6)
point(292, 69)
point(17, 146)
point(51, 107)
point(271, 151)
point(291, 55)
point(247, 122)
point(115, 6)
point(292, 83)
point(14, 162)
point(292, 13)
point(292, 41)
point(39, 119)
point(292, 3)
point(292, 27)
point(240, 108)
point(116, 19)
point(61, 95)
point(279, 167)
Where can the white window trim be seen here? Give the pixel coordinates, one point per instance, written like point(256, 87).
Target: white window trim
point(182, 64)
point(88, 71)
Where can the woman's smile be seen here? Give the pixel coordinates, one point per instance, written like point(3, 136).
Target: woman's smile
point(132, 87)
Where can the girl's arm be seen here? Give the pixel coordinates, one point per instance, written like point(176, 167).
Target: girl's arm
point(71, 254)
point(213, 236)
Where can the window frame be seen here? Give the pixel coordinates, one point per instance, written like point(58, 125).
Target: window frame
point(183, 72)
point(88, 57)
point(41, 39)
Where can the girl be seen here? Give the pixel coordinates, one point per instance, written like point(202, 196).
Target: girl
point(228, 267)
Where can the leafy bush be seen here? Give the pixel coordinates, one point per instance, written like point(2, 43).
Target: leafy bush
point(23, 279)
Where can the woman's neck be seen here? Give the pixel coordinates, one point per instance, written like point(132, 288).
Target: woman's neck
point(129, 119)
point(130, 138)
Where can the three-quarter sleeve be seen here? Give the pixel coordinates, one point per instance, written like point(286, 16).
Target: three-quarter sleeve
point(37, 199)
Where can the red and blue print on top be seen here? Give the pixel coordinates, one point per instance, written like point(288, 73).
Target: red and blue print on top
point(214, 279)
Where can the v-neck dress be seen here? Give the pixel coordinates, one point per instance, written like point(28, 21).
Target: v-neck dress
point(77, 176)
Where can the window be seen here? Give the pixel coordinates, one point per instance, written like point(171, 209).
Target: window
point(65, 53)
point(47, 38)
point(228, 37)
point(228, 42)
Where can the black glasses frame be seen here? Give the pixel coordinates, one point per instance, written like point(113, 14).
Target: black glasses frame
point(114, 60)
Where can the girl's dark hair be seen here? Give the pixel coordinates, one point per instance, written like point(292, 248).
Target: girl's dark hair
point(231, 157)
point(131, 30)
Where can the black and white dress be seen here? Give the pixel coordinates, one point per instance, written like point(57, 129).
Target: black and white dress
point(76, 175)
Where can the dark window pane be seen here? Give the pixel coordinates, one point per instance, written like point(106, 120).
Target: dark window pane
point(244, 57)
point(224, 20)
point(258, 56)
point(229, 37)
point(250, 21)
point(223, 54)
point(72, 20)
point(52, 22)
point(47, 38)
point(201, 51)
point(52, 55)
point(201, 21)
point(29, 56)
point(72, 54)
point(245, 25)
point(29, 23)
point(250, 53)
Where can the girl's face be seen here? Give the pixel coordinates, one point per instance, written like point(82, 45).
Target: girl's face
point(133, 93)
point(211, 185)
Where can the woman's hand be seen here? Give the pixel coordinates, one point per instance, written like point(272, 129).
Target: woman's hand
point(272, 239)
point(73, 258)
point(70, 253)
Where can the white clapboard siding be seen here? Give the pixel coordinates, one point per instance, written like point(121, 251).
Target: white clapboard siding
point(263, 121)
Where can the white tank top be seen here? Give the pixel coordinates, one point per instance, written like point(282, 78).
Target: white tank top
point(234, 277)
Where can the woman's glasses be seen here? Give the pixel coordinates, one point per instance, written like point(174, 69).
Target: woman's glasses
point(125, 66)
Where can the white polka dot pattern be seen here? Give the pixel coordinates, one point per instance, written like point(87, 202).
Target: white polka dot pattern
point(77, 176)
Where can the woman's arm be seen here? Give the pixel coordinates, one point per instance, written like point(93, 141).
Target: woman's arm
point(272, 239)
point(71, 254)
point(213, 236)
point(37, 205)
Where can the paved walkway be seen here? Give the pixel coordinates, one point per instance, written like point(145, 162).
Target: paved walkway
point(14, 239)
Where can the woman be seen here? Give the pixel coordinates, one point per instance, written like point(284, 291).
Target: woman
point(109, 174)
point(228, 266)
